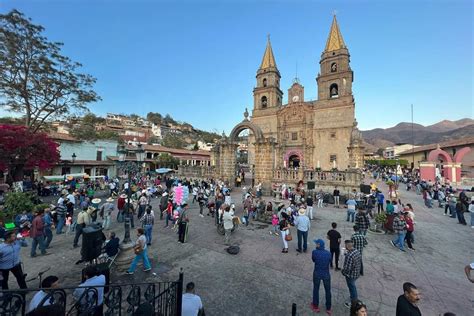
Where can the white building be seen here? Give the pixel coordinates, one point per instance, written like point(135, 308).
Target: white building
point(394, 151)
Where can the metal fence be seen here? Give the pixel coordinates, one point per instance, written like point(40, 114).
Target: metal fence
point(161, 298)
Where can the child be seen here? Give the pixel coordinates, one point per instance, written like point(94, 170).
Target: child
point(68, 224)
point(275, 224)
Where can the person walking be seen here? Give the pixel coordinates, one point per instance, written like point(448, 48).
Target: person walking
point(141, 252)
point(359, 241)
point(334, 244)
point(321, 258)
point(37, 234)
point(460, 210)
point(380, 200)
point(83, 219)
point(410, 225)
point(142, 203)
point(336, 193)
point(120, 206)
point(163, 205)
point(302, 225)
point(452, 205)
point(362, 221)
point(10, 260)
point(309, 204)
point(148, 220)
point(284, 231)
point(183, 222)
point(227, 219)
point(320, 197)
point(106, 212)
point(399, 227)
point(61, 215)
point(351, 208)
point(407, 303)
point(48, 232)
point(351, 270)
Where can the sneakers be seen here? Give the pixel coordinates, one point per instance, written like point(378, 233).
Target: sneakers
point(412, 249)
point(146, 270)
point(314, 308)
point(129, 272)
point(393, 244)
point(403, 250)
point(201, 215)
point(347, 304)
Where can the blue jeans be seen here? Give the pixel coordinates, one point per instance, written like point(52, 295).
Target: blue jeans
point(143, 256)
point(461, 217)
point(472, 219)
point(35, 242)
point(48, 235)
point(400, 241)
point(302, 237)
point(59, 228)
point(352, 288)
point(148, 232)
point(327, 290)
point(350, 214)
point(452, 210)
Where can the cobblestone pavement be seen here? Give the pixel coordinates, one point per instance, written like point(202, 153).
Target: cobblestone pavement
point(260, 280)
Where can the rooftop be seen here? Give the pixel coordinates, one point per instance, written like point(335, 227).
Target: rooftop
point(466, 141)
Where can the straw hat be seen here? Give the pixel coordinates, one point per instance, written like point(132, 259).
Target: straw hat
point(96, 201)
point(302, 211)
point(109, 199)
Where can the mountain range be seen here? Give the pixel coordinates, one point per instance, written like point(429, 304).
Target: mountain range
point(422, 135)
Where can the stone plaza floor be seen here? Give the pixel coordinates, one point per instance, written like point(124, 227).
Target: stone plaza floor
point(260, 280)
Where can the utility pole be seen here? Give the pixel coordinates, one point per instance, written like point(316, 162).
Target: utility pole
point(412, 142)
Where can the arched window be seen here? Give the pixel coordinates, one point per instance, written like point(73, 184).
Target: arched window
point(333, 91)
point(333, 67)
point(263, 102)
point(264, 82)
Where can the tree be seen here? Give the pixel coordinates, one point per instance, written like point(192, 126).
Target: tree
point(196, 146)
point(21, 149)
point(165, 160)
point(173, 141)
point(86, 129)
point(168, 120)
point(35, 79)
point(16, 203)
point(155, 118)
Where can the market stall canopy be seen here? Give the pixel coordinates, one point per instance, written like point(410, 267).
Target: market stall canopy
point(164, 170)
point(68, 176)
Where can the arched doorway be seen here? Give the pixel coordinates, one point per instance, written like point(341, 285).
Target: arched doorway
point(294, 161)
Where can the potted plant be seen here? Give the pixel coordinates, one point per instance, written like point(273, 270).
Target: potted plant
point(380, 220)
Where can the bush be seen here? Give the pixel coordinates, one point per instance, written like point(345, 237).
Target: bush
point(16, 203)
point(381, 218)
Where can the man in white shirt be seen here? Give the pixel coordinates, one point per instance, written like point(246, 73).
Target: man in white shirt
point(92, 279)
point(72, 198)
point(50, 282)
point(192, 304)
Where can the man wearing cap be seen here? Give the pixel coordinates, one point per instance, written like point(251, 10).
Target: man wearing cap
point(302, 224)
point(321, 258)
point(351, 270)
point(50, 282)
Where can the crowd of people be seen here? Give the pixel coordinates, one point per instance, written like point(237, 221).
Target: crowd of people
point(77, 208)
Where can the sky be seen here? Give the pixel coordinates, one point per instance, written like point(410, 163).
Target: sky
point(197, 60)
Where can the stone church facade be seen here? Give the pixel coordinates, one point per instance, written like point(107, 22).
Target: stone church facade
point(310, 134)
point(316, 142)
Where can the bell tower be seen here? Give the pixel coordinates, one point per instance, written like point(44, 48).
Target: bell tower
point(335, 76)
point(267, 94)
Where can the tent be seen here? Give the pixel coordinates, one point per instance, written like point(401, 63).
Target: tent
point(164, 170)
point(61, 177)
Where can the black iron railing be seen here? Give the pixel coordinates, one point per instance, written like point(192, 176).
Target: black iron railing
point(161, 298)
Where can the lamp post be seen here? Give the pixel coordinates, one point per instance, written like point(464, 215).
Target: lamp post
point(129, 167)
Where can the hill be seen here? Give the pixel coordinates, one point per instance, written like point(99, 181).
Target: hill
point(422, 135)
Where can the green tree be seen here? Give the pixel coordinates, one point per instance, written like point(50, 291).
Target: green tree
point(16, 203)
point(168, 120)
point(165, 160)
point(173, 141)
point(155, 118)
point(86, 129)
point(35, 79)
point(196, 146)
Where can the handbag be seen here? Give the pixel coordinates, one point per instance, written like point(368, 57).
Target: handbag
point(138, 249)
point(288, 236)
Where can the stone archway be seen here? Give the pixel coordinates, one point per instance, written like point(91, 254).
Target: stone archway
point(291, 153)
point(434, 154)
point(246, 124)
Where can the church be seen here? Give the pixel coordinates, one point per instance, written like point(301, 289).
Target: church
point(317, 135)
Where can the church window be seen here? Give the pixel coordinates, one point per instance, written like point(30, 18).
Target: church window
point(333, 67)
point(332, 158)
point(263, 102)
point(294, 136)
point(278, 100)
point(333, 91)
point(333, 134)
point(264, 82)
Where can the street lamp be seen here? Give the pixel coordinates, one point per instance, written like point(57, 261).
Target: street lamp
point(129, 167)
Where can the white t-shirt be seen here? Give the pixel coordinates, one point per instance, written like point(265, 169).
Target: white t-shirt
point(191, 304)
